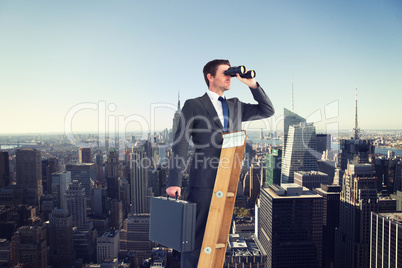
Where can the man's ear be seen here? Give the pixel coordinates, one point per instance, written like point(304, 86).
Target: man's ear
point(209, 76)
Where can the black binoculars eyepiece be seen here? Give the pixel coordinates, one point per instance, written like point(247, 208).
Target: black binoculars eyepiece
point(232, 71)
point(249, 74)
point(241, 70)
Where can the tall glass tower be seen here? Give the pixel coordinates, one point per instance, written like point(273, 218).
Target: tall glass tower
point(290, 119)
point(273, 168)
point(300, 152)
point(139, 180)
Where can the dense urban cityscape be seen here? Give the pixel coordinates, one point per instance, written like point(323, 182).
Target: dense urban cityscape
point(305, 199)
point(93, 94)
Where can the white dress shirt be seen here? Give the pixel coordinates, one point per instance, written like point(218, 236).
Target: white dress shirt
point(217, 104)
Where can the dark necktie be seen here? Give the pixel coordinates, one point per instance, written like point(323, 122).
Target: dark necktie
point(225, 113)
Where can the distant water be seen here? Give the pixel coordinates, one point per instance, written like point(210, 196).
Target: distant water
point(378, 150)
point(384, 150)
point(8, 147)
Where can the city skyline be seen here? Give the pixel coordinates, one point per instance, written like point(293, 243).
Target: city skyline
point(123, 65)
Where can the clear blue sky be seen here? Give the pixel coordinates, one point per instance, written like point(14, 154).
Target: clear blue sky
point(135, 56)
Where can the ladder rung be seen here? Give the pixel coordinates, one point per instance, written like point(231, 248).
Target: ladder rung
point(220, 245)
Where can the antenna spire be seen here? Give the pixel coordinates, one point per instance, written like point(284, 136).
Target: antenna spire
point(356, 130)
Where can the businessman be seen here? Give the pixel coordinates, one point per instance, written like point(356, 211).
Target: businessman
point(203, 120)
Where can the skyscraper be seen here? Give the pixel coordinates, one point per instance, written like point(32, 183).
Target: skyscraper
point(60, 182)
point(5, 260)
point(385, 239)
point(76, 203)
point(29, 175)
point(84, 155)
point(274, 161)
point(139, 180)
point(163, 160)
point(108, 245)
point(135, 236)
point(327, 167)
point(255, 183)
point(49, 166)
point(310, 179)
point(112, 174)
point(290, 119)
point(388, 172)
point(61, 253)
point(358, 199)
point(98, 202)
point(330, 194)
point(354, 150)
point(85, 173)
point(29, 248)
point(323, 142)
point(176, 117)
point(300, 152)
point(290, 226)
point(116, 214)
point(125, 197)
point(85, 243)
point(4, 170)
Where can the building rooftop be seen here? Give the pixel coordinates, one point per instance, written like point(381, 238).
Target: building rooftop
point(290, 190)
point(61, 172)
point(76, 164)
point(235, 242)
point(323, 191)
point(392, 216)
point(244, 245)
point(111, 233)
point(360, 169)
point(159, 253)
point(311, 173)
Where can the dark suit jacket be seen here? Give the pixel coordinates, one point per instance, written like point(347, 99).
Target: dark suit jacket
point(200, 121)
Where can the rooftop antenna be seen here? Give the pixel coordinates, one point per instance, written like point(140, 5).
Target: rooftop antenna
point(178, 100)
point(293, 107)
point(356, 130)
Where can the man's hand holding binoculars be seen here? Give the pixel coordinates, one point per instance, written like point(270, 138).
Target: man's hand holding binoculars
point(244, 75)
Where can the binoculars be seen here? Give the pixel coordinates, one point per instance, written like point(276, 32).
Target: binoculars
point(241, 70)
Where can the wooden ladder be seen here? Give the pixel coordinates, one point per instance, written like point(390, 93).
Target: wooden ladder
point(220, 214)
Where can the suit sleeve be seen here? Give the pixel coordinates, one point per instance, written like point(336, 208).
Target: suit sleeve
point(181, 140)
point(263, 109)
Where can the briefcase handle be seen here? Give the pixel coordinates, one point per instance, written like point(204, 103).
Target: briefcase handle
point(177, 195)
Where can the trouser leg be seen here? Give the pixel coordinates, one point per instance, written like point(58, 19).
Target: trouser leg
point(202, 197)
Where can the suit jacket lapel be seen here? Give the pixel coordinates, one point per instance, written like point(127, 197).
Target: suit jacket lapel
point(206, 101)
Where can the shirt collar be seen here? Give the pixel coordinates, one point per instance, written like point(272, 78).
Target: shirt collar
point(214, 96)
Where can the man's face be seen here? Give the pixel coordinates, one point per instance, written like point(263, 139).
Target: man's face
point(221, 81)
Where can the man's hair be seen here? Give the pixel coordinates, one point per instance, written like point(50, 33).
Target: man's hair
point(211, 67)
